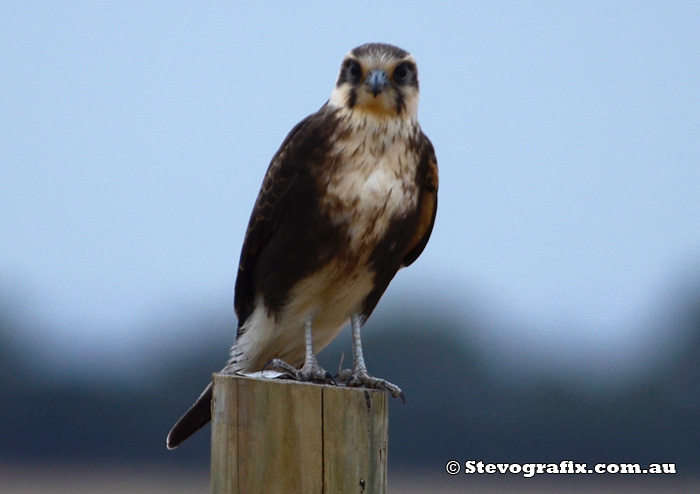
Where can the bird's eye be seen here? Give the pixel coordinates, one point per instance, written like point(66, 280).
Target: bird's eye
point(354, 72)
point(401, 72)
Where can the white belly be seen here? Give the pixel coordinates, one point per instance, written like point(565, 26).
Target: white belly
point(327, 298)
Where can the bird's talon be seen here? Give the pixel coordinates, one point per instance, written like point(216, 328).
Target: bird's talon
point(330, 379)
point(360, 379)
point(308, 373)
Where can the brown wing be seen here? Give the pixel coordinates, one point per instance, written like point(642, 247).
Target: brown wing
point(280, 190)
point(427, 206)
point(283, 181)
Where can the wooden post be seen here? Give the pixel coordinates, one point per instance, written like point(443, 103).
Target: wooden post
point(284, 436)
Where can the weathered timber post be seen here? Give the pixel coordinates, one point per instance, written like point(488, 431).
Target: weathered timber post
point(281, 436)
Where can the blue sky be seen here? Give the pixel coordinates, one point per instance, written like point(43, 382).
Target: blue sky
point(134, 137)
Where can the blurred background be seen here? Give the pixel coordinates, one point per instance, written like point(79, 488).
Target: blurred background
point(555, 314)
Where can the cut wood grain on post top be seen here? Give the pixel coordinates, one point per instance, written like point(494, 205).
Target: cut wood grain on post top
point(285, 436)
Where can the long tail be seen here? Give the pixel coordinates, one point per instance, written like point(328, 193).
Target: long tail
point(194, 419)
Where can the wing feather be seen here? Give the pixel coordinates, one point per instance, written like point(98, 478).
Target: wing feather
point(427, 207)
point(294, 158)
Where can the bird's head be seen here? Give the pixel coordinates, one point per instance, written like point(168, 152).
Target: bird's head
point(378, 79)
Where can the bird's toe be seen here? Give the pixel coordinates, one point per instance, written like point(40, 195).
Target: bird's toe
point(364, 380)
point(313, 373)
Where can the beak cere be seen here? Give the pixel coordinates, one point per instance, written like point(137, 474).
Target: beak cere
point(376, 81)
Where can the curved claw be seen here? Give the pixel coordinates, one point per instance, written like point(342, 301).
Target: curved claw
point(363, 379)
point(282, 366)
point(329, 377)
point(308, 373)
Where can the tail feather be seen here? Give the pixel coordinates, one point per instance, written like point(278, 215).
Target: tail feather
point(194, 419)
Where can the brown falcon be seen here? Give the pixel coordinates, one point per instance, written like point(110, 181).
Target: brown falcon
point(348, 199)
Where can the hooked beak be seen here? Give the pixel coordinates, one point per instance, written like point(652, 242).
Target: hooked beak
point(376, 81)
